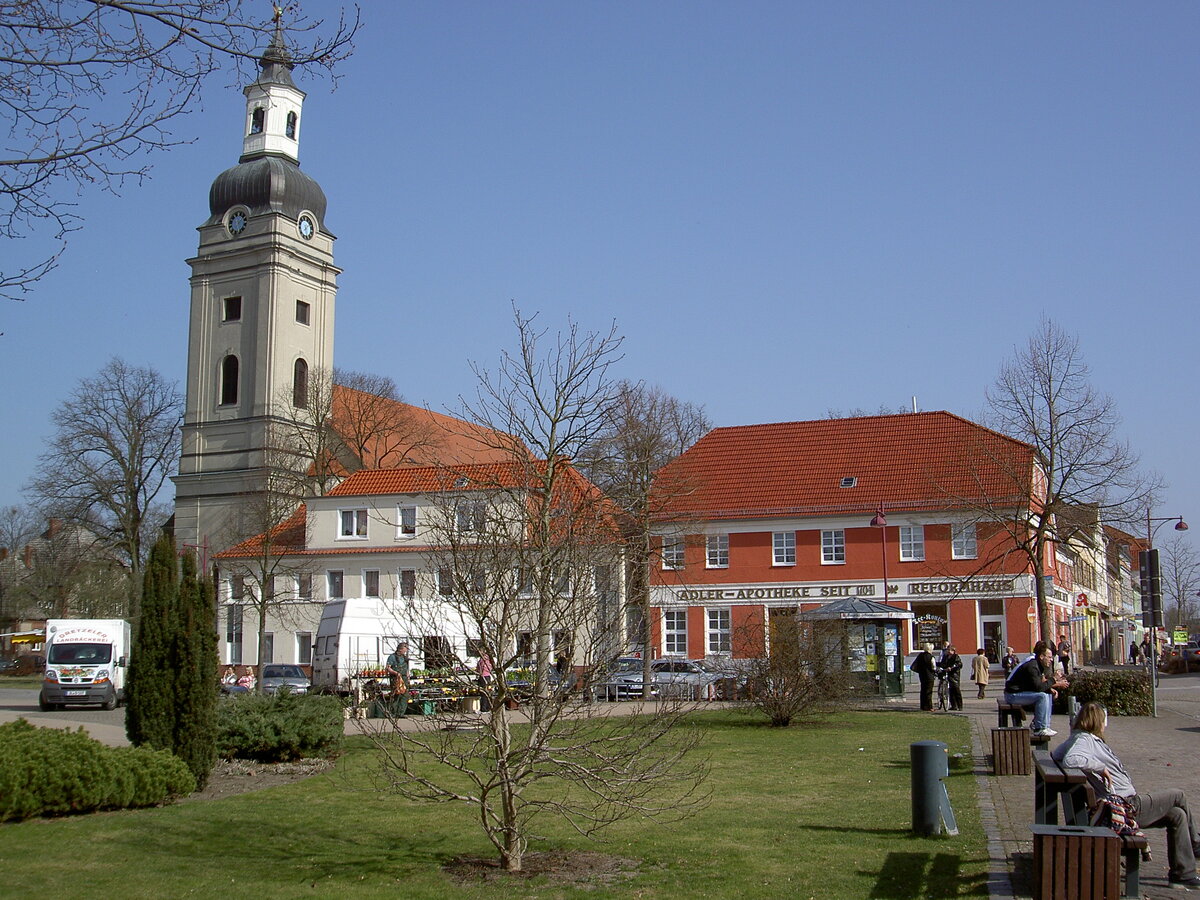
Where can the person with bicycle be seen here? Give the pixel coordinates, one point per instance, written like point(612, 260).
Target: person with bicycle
point(950, 671)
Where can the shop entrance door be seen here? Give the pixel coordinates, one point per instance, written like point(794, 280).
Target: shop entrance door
point(993, 639)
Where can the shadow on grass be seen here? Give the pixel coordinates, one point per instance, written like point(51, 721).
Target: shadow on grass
point(927, 875)
point(843, 829)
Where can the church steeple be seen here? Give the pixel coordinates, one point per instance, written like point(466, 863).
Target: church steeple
point(273, 105)
point(263, 291)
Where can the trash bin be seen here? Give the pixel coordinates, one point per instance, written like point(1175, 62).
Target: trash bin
point(931, 811)
point(1076, 861)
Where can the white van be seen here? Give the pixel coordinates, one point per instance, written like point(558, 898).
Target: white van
point(86, 662)
point(355, 635)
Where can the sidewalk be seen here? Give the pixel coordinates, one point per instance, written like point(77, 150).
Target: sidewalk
point(1159, 753)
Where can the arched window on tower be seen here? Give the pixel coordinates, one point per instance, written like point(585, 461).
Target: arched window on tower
point(257, 119)
point(300, 385)
point(291, 125)
point(229, 380)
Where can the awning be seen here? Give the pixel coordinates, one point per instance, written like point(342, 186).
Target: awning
point(25, 637)
point(855, 608)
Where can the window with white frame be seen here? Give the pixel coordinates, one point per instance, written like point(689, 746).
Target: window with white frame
point(268, 647)
point(720, 631)
point(784, 546)
point(470, 515)
point(675, 632)
point(445, 579)
point(406, 521)
point(353, 523)
point(962, 541)
point(333, 583)
point(408, 583)
point(912, 543)
point(833, 547)
point(672, 553)
point(717, 546)
point(370, 582)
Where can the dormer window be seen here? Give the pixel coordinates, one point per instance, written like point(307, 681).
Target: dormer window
point(290, 129)
point(257, 120)
point(849, 481)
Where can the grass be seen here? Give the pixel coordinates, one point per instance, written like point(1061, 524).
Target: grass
point(820, 811)
point(21, 682)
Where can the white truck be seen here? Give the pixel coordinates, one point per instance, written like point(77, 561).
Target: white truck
point(355, 634)
point(86, 662)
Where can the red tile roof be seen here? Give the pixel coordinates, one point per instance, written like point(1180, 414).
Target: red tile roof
point(286, 537)
point(917, 461)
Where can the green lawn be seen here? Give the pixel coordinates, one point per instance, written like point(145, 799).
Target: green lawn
point(819, 811)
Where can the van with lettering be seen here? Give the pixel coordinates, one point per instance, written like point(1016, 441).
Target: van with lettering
point(86, 662)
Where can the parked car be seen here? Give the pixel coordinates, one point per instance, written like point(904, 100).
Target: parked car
point(278, 676)
point(1177, 658)
point(692, 679)
point(620, 679)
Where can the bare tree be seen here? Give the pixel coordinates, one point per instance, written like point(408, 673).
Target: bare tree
point(803, 672)
point(644, 430)
point(522, 553)
point(69, 572)
point(1180, 568)
point(116, 443)
point(374, 424)
point(18, 528)
point(1044, 397)
point(91, 88)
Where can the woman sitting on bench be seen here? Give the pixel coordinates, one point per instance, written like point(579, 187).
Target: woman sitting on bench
point(1085, 749)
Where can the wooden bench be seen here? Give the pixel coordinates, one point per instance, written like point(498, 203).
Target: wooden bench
point(1053, 782)
point(1009, 714)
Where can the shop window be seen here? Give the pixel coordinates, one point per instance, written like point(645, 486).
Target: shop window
point(720, 632)
point(675, 632)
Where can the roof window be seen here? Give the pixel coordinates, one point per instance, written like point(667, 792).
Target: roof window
point(849, 481)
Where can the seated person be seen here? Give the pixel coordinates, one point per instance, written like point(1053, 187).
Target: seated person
point(1032, 683)
point(1085, 749)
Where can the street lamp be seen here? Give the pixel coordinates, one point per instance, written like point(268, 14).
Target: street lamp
point(880, 522)
point(1180, 525)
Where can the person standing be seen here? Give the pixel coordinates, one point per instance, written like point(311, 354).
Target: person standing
point(1146, 656)
point(951, 669)
point(1086, 749)
point(1009, 662)
point(1064, 654)
point(1032, 684)
point(923, 668)
point(980, 671)
point(397, 668)
point(1135, 653)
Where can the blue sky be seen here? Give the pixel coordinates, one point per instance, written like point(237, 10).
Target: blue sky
point(786, 207)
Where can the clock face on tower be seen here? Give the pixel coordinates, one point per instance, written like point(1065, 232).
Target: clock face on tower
point(237, 223)
point(306, 226)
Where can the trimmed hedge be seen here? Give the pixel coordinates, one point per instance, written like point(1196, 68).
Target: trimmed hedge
point(44, 771)
point(278, 727)
point(1122, 693)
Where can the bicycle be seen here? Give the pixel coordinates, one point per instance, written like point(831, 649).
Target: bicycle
point(943, 690)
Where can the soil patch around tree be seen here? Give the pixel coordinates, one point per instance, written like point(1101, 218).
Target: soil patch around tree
point(575, 868)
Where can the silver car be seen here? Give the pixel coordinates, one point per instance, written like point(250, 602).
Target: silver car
point(690, 678)
point(278, 676)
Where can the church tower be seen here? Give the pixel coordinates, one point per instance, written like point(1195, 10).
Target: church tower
point(263, 286)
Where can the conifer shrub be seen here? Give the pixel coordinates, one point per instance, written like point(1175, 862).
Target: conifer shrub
point(1122, 693)
point(278, 727)
point(44, 771)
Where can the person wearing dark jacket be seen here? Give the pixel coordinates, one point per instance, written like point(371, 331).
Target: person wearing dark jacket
point(923, 667)
point(1032, 684)
point(950, 668)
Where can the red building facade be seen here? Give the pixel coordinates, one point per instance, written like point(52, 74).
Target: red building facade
point(768, 520)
